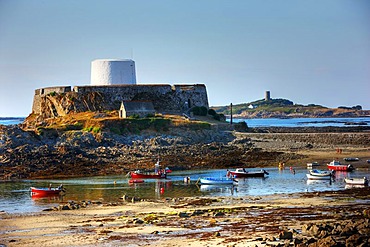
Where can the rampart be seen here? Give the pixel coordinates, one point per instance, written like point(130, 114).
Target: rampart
point(55, 101)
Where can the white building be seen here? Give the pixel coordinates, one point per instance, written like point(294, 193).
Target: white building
point(113, 72)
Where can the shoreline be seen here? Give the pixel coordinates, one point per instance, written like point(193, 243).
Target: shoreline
point(211, 221)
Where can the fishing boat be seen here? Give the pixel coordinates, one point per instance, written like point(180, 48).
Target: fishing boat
point(319, 175)
point(242, 173)
point(218, 181)
point(337, 166)
point(46, 191)
point(356, 181)
point(157, 174)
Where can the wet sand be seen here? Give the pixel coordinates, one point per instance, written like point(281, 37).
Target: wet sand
point(220, 221)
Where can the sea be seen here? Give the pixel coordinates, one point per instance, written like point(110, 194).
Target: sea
point(266, 122)
point(15, 196)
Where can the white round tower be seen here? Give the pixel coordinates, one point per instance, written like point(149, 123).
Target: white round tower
point(112, 72)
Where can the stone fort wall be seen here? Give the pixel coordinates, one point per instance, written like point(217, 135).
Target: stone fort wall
point(165, 98)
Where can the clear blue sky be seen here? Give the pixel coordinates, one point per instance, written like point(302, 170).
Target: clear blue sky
point(315, 51)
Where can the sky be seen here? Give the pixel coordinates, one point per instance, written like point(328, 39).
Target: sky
point(310, 52)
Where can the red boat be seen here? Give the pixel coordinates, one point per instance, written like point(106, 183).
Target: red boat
point(242, 173)
point(157, 174)
point(46, 191)
point(337, 166)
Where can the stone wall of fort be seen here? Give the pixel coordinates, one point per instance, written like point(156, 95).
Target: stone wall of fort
point(177, 99)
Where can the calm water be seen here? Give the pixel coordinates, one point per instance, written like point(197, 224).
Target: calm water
point(304, 122)
point(269, 122)
point(15, 196)
point(11, 120)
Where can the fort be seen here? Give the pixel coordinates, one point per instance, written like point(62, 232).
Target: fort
point(115, 89)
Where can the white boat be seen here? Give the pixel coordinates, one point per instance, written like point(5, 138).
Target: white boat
point(319, 175)
point(218, 181)
point(242, 173)
point(357, 181)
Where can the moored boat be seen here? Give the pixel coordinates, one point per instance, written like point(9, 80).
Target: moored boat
point(46, 191)
point(242, 173)
point(148, 175)
point(351, 159)
point(357, 181)
point(157, 174)
point(218, 181)
point(319, 175)
point(337, 166)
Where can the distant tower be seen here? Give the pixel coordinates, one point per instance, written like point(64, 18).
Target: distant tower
point(112, 72)
point(267, 96)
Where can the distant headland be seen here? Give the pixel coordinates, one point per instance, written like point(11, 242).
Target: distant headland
point(284, 108)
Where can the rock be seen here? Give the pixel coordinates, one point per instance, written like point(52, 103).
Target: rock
point(219, 214)
point(356, 240)
point(183, 215)
point(285, 235)
point(197, 212)
point(328, 241)
point(138, 222)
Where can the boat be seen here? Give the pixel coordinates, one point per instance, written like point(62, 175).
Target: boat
point(337, 166)
point(242, 173)
point(157, 174)
point(313, 164)
point(313, 177)
point(218, 181)
point(351, 159)
point(154, 175)
point(356, 181)
point(319, 175)
point(47, 191)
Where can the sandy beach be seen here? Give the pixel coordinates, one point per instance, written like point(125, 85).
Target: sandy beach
point(219, 221)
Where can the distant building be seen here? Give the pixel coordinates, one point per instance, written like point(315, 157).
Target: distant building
point(267, 96)
point(251, 106)
point(138, 108)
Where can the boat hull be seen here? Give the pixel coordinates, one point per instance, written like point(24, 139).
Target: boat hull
point(313, 177)
point(45, 191)
point(340, 168)
point(356, 181)
point(216, 181)
point(248, 174)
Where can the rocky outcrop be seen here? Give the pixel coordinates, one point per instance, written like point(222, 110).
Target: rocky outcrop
point(55, 152)
point(24, 154)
